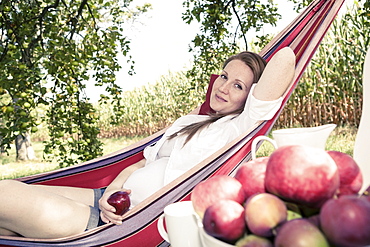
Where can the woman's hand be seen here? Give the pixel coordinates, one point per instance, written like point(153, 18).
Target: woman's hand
point(107, 213)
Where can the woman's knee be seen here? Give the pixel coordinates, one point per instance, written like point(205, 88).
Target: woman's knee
point(10, 185)
point(64, 227)
point(65, 219)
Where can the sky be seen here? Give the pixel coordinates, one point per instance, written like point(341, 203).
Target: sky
point(160, 43)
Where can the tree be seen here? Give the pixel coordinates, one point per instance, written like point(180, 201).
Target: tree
point(50, 50)
point(223, 31)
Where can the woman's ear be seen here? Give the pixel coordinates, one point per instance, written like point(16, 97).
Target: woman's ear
point(277, 76)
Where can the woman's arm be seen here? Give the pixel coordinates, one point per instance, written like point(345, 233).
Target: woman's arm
point(107, 213)
point(277, 76)
point(117, 183)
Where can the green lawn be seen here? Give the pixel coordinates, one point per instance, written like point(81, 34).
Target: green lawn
point(10, 168)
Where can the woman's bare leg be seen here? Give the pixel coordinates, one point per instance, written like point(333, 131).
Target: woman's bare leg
point(43, 211)
point(85, 196)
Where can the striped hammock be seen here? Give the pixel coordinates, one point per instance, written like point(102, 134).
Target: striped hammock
point(139, 227)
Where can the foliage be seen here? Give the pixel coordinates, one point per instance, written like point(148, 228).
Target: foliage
point(365, 13)
point(223, 25)
point(50, 50)
point(331, 89)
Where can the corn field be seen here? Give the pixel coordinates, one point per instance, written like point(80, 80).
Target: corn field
point(152, 107)
point(330, 91)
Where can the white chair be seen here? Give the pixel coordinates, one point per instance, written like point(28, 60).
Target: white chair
point(361, 152)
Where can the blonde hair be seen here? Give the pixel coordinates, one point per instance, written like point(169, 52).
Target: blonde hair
point(257, 65)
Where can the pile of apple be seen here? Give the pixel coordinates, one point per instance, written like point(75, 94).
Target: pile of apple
point(298, 196)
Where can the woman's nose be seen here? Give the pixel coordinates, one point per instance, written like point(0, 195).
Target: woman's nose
point(224, 88)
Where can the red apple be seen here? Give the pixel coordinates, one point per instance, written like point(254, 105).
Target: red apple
point(225, 220)
point(300, 232)
point(349, 173)
point(315, 219)
point(253, 241)
point(264, 212)
point(251, 175)
point(120, 200)
point(302, 174)
point(346, 221)
point(215, 189)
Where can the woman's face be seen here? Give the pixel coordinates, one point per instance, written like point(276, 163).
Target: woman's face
point(231, 88)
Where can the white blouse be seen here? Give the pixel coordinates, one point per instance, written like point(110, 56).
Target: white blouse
point(168, 159)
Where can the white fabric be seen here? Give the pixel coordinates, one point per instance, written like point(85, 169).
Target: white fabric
point(159, 171)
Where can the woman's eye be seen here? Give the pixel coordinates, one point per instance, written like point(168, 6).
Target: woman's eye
point(223, 77)
point(238, 86)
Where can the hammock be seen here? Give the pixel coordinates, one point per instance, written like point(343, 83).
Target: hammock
point(139, 227)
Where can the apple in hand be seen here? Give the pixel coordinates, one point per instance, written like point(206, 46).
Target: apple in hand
point(251, 175)
point(120, 200)
point(225, 220)
point(300, 232)
point(302, 174)
point(350, 175)
point(346, 221)
point(214, 189)
point(263, 213)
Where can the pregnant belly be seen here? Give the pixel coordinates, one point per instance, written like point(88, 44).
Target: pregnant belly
point(146, 181)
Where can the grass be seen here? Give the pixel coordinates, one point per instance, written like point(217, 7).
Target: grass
point(341, 139)
point(10, 168)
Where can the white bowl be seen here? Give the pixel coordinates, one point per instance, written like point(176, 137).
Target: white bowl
point(209, 241)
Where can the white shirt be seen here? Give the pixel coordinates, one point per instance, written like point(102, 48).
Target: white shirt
point(160, 169)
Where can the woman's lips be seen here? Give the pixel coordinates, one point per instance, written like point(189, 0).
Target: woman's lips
point(219, 98)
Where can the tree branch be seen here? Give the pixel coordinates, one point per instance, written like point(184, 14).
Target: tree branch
point(41, 18)
point(240, 24)
point(93, 17)
point(74, 20)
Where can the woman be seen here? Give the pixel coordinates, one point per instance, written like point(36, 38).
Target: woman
point(238, 100)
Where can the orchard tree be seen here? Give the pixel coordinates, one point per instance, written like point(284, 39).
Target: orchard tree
point(50, 50)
